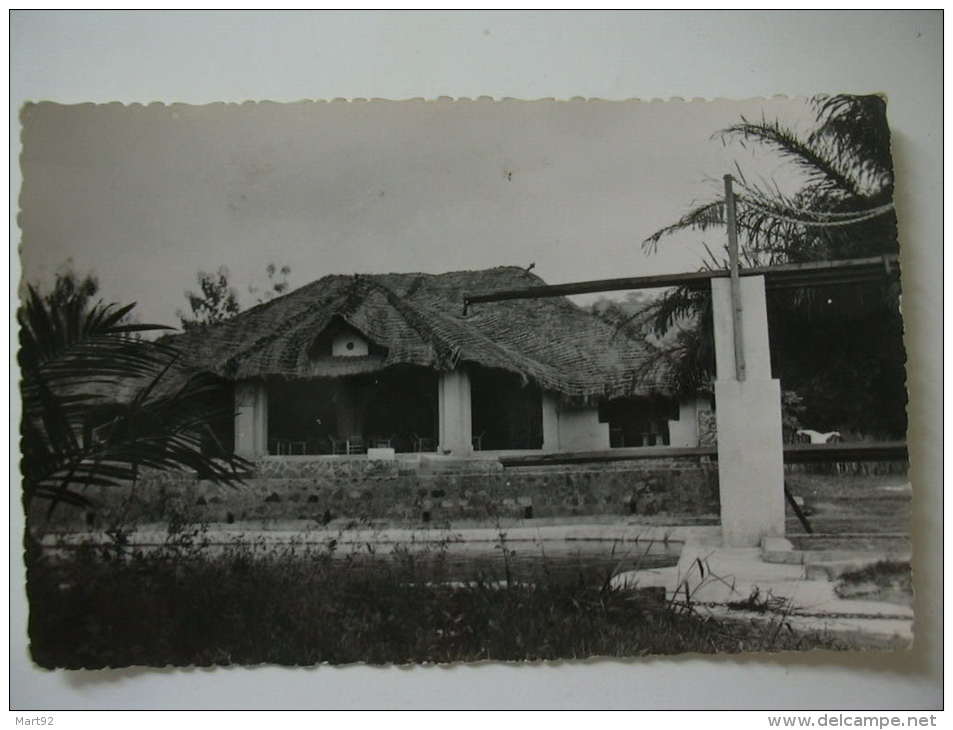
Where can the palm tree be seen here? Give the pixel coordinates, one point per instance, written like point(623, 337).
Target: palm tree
point(847, 174)
point(100, 402)
point(843, 208)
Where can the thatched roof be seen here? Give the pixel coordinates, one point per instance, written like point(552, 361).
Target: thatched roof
point(417, 319)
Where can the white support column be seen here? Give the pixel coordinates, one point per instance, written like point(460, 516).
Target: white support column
point(748, 417)
point(251, 419)
point(580, 430)
point(550, 422)
point(455, 419)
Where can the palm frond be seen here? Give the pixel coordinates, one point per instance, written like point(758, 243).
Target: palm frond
point(700, 218)
point(822, 164)
point(858, 126)
point(96, 410)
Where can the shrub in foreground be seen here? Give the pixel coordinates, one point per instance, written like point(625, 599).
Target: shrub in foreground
point(185, 605)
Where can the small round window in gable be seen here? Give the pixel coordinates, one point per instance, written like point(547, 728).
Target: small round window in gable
point(349, 345)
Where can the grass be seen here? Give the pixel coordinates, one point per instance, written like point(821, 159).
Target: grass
point(851, 503)
point(885, 580)
point(184, 605)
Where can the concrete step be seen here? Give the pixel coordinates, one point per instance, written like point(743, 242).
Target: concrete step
point(736, 583)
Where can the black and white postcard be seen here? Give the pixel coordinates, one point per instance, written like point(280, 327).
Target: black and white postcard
point(447, 381)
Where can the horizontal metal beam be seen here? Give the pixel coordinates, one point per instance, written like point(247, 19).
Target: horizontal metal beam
point(622, 454)
point(877, 451)
point(793, 454)
point(821, 273)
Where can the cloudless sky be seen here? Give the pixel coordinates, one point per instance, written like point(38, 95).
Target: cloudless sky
point(145, 196)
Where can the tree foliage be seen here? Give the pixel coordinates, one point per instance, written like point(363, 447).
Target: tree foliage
point(69, 287)
point(839, 348)
point(277, 285)
point(100, 403)
point(217, 300)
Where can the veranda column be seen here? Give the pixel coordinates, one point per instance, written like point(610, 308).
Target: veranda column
point(455, 426)
point(251, 419)
point(550, 422)
point(748, 417)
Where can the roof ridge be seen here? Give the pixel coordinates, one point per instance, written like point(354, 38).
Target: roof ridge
point(510, 352)
point(448, 353)
point(412, 275)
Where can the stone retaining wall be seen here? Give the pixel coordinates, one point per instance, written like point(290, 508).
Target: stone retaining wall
point(416, 492)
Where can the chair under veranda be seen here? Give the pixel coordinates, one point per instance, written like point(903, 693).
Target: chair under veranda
point(423, 443)
point(478, 441)
point(616, 437)
point(355, 444)
point(287, 447)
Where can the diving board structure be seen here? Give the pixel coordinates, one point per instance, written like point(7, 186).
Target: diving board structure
point(750, 449)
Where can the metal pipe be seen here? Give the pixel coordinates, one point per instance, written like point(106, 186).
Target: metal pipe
point(737, 333)
point(793, 454)
point(776, 277)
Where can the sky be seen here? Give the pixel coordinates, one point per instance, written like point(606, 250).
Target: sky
point(145, 196)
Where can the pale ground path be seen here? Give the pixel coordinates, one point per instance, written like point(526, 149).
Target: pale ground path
point(709, 578)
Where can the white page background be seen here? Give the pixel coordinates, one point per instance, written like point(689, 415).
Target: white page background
point(203, 57)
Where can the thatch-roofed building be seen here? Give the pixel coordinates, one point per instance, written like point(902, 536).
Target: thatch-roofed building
point(391, 360)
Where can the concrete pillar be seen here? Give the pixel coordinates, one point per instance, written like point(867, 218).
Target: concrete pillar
point(251, 419)
point(550, 422)
point(454, 415)
point(748, 417)
point(580, 430)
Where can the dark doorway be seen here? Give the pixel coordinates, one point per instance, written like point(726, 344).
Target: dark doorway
point(638, 421)
point(396, 407)
point(302, 414)
point(400, 407)
point(506, 413)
